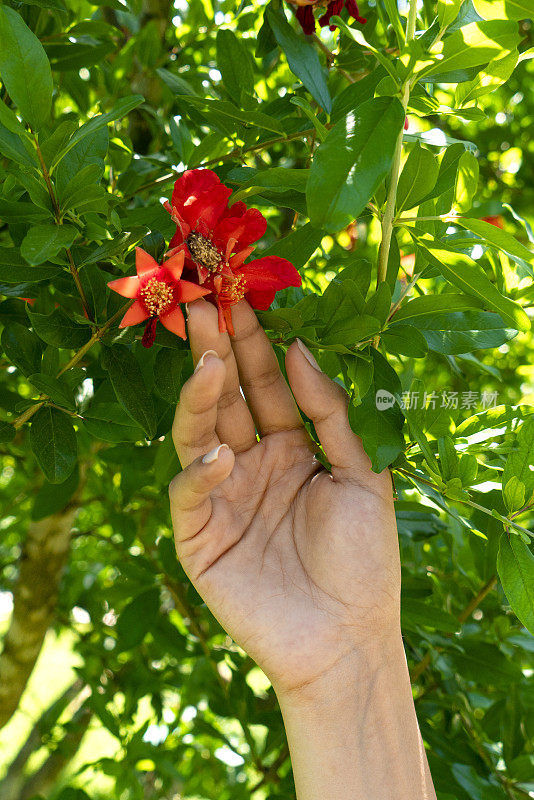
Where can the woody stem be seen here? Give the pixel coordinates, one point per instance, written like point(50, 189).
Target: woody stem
point(389, 213)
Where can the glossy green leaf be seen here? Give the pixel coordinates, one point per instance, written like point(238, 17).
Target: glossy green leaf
point(466, 182)
point(498, 238)
point(418, 178)
point(470, 46)
point(458, 332)
point(504, 9)
point(136, 619)
point(12, 147)
point(515, 565)
point(53, 441)
point(464, 273)
point(57, 390)
point(25, 68)
point(22, 347)
point(168, 369)
point(59, 330)
point(448, 11)
point(520, 461)
point(416, 613)
point(404, 340)
point(432, 304)
point(378, 419)
point(298, 246)
point(127, 380)
point(7, 432)
point(348, 167)
point(234, 64)
point(44, 242)
point(302, 58)
point(121, 108)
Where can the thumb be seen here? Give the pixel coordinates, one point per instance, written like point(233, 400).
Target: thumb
point(325, 402)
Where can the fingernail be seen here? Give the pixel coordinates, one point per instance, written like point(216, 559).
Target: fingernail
point(203, 356)
point(213, 455)
point(306, 353)
point(187, 309)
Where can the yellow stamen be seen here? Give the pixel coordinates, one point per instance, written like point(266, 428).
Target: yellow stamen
point(157, 296)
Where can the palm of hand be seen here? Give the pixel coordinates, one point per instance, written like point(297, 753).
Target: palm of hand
point(299, 568)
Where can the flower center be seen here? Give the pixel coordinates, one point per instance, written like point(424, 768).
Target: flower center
point(157, 296)
point(204, 252)
point(234, 288)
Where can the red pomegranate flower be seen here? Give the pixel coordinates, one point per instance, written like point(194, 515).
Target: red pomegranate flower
point(157, 290)
point(333, 8)
point(216, 239)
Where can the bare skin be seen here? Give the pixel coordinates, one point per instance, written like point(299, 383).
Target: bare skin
point(300, 566)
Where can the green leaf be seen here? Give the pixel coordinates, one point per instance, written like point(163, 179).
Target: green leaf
point(94, 285)
point(57, 390)
point(43, 242)
point(137, 618)
point(226, 110)
point(459, 332)
point(168, 369)
point(59, 330)
point(12, 211)
point(484, 663)
point(504, 9)
point(302, 58)
point(234, 64)
point(498, 238)
point(22, 347)
point(431, 304)
point(488, 79)
point(53, 443)
point(416, 613)
point(348, 167)
point(121, 108)
point(514, 494)
point(404, 340)
point(298, 246)
point(464, 273)
point(520, 461)
point(515, 565)
point(379, 427)
point(13, 268)
point(466, 182)
point(469, 46)
point(448, 11)
point(53, 497)
point(91, 150)
point(303, 104)
point(358, 37)
point(11, 146)
point(418, 178)
point(107, 421)
point(477, 787)
point(127, 380)
point(25, 68)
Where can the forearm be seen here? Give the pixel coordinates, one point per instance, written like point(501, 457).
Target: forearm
point(354, 735)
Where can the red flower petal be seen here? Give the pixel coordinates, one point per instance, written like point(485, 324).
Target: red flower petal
point(135, 314)
point(236, 260)
point(241, 224)
point(270, 272)
point(174, 322)
point(127, 287)
point(200, 198)
point(306, 19)
point(332, 9)
point(186, 292)
point(144, 263)
point(260, 300)
point(175, 264)
point(191, 184)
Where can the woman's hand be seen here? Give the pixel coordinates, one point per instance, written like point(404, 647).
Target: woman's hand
point(300, 566)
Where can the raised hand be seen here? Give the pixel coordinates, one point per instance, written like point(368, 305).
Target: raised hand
point(300, 566)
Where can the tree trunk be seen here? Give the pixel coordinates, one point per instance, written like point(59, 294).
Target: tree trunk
point(42, 561)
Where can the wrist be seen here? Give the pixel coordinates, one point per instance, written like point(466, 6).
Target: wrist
point(349, 676)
